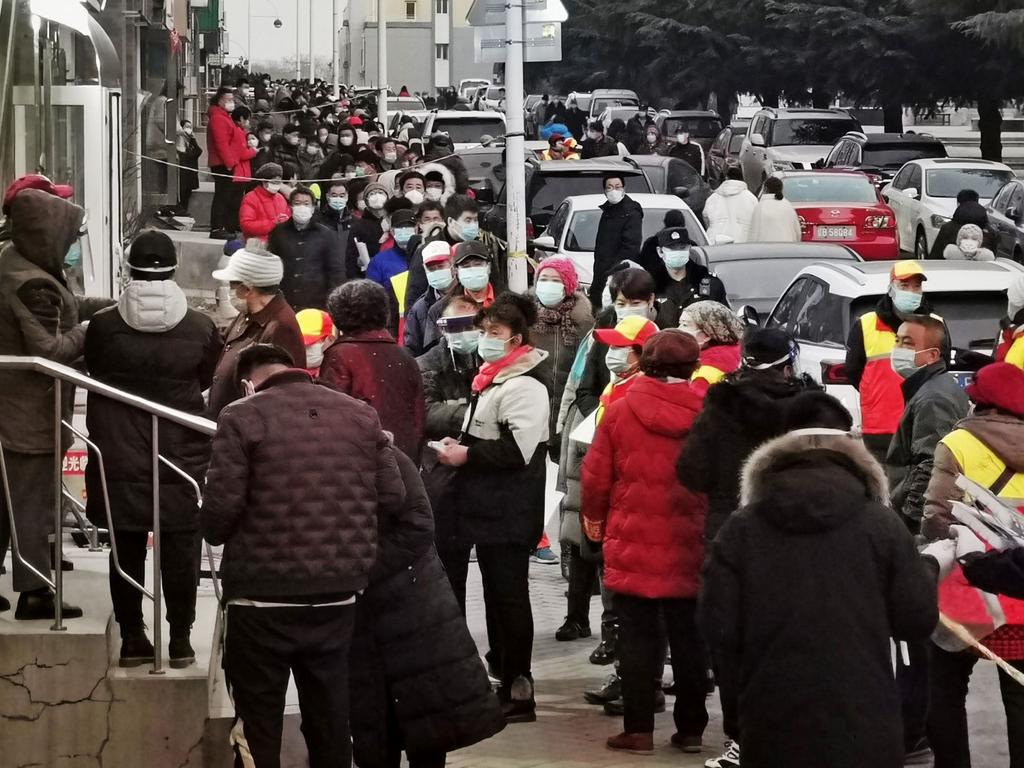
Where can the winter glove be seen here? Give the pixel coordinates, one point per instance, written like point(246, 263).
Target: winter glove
point(967, 541)
point(944, 553)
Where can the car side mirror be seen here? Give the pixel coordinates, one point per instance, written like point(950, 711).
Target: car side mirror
point(749, 315)
point(545, 243)
point(911, 192)
point(681, 192)
point(484, 193)
point(724, 239)
point(756, 140)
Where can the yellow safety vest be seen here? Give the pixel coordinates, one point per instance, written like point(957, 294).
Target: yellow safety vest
point(1016, 354)
point(982, 465)
point(709, 373)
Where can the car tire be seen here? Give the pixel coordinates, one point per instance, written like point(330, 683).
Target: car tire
point(921, 245)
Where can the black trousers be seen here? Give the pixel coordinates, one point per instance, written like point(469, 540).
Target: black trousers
point(912, 680)
point(261, 647)
point(947, 715)
point(179, 568)
point(33, 496)
point(505, 570)
point(222, 196)
point(641, 658)
point(395, 747)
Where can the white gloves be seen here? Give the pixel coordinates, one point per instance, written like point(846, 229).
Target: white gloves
point(967, 541)
point(944, 552)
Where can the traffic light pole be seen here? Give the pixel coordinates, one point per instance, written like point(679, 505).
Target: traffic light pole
point(515, 148)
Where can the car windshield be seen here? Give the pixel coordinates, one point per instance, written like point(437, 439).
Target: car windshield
point(971, 316)
point(947, 182)
point(698, 127)
point(895, 155)
point(601, 105)
point(825, 132)
point(829, 188)
point(736, 143)
point(469, 131)
point(582, 234)
point(547, 191)
point(757, 282)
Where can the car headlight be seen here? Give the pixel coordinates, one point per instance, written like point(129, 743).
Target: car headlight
point(784, 165)
point(938, 221)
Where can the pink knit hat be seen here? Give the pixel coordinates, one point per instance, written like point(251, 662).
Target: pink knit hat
point(566, 271)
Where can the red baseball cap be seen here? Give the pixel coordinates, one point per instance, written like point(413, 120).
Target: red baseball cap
point(631, 331)
point(35, 181)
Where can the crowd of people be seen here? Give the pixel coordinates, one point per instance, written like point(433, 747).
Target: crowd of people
point(387, 413)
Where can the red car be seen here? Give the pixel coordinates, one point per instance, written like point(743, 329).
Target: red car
point(842, 207)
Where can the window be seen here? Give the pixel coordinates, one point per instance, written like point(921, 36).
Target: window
point(914, 180)
point(796, 131)
point(830, 188)
point(1002, 198)
point(947, 182)
point(410, 10)
point(441, 6)
point(582, 235)
point(441, 51)
point(736, 143)
point(721, 142)
point(894, 155)
point(698, 127)
point(902, 178)
point(820, 319)
point(1016, 199)
point(784, 316)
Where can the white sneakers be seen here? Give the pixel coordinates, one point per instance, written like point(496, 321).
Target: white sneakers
point(729, 759)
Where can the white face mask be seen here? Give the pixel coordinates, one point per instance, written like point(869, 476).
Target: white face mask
point(345, 140)
point(434, 193)
point(376, 200)
point(593, 135)
point(390, 157)
point(229, 107)
point(617, 359)
point(641, 310)
point(240, 305)
point(274, 187)
point(969, 246)
point(414, 196)
point(188, 130)
point(614, 195)
point(301, 214)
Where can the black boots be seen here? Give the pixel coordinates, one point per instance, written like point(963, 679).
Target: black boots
point(517, 701)
point(40, 604)
point(607, 651)
point(180, 650)
point(135, 648)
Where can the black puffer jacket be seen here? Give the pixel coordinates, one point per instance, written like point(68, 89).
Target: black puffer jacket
point(152, 346)
point(740, 413)
point(296, 479)
point(411, 646)
point(314, 263)
point(805, 586)
point(447, 388)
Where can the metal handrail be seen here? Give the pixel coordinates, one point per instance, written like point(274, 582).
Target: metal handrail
point(214, 577)
point(62, 374)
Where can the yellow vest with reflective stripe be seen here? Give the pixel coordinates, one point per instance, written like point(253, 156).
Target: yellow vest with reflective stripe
point(881, 388)
point(709, 373)
point(981, 464)
point(1016, 354)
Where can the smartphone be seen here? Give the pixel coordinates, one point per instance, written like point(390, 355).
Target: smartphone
point(437, 445)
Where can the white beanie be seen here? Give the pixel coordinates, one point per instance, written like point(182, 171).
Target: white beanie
point(1015, 297)
point(261, 270)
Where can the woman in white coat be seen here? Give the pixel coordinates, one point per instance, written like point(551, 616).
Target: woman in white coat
point(774, 219)
point(729, 210)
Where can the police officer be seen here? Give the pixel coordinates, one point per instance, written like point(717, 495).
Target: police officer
point(689, 281)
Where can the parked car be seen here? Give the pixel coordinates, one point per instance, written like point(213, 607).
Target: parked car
point(756, 274)
point(405, 103)
point(602, 98)
point(923, 196)
point(549, 182)
point(842, 207)
point(467, 83)
point(486, 170)
point(790, 139)
point(1006, 219)
point(702, 125)
point(725, 151)
point(623, 113)
point(572, 231)
point(464, 127)
point(581, 99)
point(674, 176)
point(412, 119)
point(825, 300)
point(494, 97)
point(881, 155)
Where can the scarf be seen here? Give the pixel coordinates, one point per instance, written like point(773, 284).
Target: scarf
point(547, 317)
point(489, 371)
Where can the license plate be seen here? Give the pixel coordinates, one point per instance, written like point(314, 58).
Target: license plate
point(834, 233)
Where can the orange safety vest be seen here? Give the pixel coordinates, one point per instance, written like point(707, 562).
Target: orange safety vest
point(881, 388)
point(981, 612)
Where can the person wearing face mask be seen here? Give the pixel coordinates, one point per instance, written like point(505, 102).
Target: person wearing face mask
point(243, 92)
point(448, 370)
point(287, 151)
point(652, 143)
point(438, 182)
point(310, 160)
point(189, 152)
point(347, 139)
point(968, 211)
point(392, 262)
point(389, 154)
point(499, 463)
point(366, 233)
point(718, 332)
point(326, 138)
point(968, 246)
point(421, 334)
point(775, 219)
point(264, 207)
point(367, 163)
point(264, 148)
point(473, 269)
point(313, 263)
point(336, 214)
point(412, 186)
point(689, 151)
point(688, 281)
point(1010, 344)
point(317, 334)
point(871, 340)
point(264, 317)
point(597, 144)
point(619, 233)
point(651, 527)
point(222, 158)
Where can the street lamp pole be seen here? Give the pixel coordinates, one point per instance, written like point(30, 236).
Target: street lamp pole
point(515, 147)
point(298, 59)
point(382, 64)
point(248, 33)
point(335, 49)
point(310, 42)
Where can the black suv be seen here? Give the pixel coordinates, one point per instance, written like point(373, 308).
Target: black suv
point(549, 182)
point(881, 155)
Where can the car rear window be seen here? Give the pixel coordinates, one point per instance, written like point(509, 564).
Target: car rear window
point(698, 127)
point(895, 155)
point(469, 131)
point(547, 191)
point(582, 235)
point(829, 188)
point(757, 282)
point(947, 182)
point(736, 143)
point(971, 316)
point(797, 132)
point(600, 105)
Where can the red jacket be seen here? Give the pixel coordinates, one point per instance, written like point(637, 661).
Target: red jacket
point(219, 131)
point(261, 212)
point(242, 170)
point(651, 525)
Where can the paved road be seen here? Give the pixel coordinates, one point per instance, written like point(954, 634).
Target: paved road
point(571, 734)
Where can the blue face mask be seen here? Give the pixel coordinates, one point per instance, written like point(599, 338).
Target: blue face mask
point(474, 278)
point(73, 257)
point(549, 293)
point(440, 279)
point(490, 349)
point(676, 259)
point(403, 235)
point(906, 302)
point(465, 231)
point(464, 343)
point(337, 203)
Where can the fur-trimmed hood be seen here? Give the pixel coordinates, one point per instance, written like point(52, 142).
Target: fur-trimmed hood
point(806, 482)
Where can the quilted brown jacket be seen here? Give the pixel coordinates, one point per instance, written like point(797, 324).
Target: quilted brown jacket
point(296, 478)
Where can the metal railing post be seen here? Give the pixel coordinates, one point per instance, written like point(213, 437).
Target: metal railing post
point(57, 553)
point(214, 577)
point(157, 584)
point(15, 549)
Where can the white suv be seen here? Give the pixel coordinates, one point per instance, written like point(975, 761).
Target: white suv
point(923, 195)
point(790, 140)
point(825, 300)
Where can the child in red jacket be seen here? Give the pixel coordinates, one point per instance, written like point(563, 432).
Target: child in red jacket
point(264, 207)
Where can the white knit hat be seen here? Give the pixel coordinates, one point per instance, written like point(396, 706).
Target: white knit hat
point(261, 270)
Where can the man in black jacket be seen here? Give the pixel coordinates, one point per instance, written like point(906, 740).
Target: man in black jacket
point(313, 261)
point(688, 281)
point(298, 479)
point(619, 233)
point(597, 144)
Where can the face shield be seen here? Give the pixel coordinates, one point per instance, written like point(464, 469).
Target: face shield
point(79, 266)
